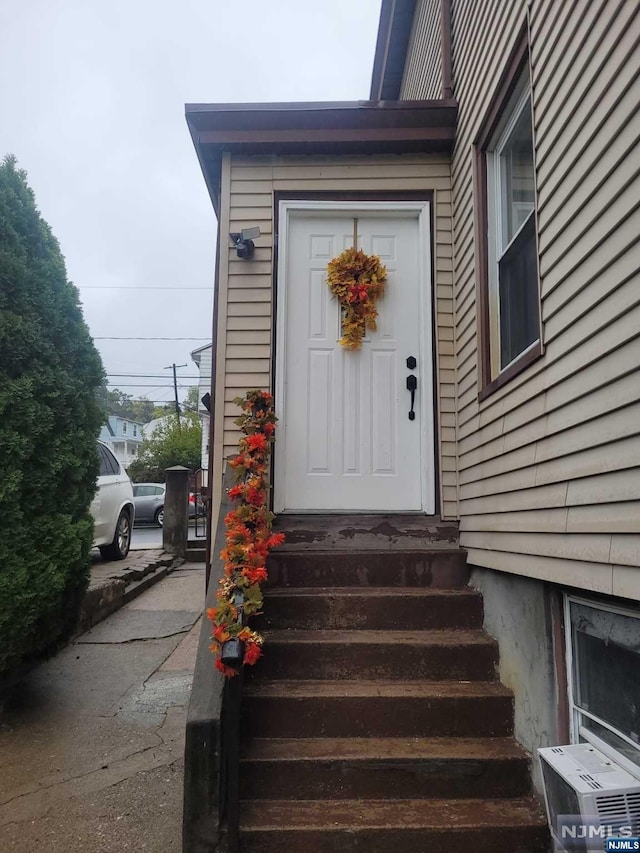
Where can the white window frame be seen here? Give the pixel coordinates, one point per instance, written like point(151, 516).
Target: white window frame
point(579, 733)
point(495, 224)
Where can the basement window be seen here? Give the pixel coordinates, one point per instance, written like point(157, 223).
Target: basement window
point(603, 657)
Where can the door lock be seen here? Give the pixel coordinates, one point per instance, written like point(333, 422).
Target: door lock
point(412, 384)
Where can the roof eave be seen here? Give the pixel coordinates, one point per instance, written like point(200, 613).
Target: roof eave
point(211, 178)
point(361, 127)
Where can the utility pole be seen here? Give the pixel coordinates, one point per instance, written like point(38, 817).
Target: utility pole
point(175, 366)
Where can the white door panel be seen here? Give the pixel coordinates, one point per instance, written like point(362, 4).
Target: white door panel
point(346, 442)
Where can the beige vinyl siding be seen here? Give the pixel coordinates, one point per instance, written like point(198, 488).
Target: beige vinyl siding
point(244, 334)
point(422, 79)
point(204, 387)
point(549, 466)
point(204, 370)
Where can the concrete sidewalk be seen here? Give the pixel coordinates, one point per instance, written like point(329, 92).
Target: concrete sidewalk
point(91, 742)
point(115, 582)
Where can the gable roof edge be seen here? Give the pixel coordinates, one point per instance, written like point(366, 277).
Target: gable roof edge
point(394, 31)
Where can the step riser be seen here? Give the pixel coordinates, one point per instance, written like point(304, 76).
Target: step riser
point(377, 716)
point(389, 779)
point(446, 570)
point(477, 839)
point(317, 612)
point(472, 662)
point(195, 555)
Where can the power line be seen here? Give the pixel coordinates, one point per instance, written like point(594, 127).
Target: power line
point(114, 338)
point(138, 287)
point(140, 385)
point(151, 376)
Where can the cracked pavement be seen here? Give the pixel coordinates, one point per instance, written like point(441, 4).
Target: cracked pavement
point(92, 741)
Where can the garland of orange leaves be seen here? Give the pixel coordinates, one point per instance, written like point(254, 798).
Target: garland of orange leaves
point(249, 537)
point(356, 280)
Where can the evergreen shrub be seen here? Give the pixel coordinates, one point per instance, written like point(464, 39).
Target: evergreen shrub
point(50, 371)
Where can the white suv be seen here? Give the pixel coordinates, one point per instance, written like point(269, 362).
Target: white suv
point(112, 508)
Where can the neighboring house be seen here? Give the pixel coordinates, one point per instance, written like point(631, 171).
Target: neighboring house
point(495, 170)
point(123, 437)
point(202, 357)
point(149, 428)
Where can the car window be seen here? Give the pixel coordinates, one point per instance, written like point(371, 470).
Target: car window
point(114, 461)
point(111, 464)
point(105, 462)
point(136, 491)
point(146, 491)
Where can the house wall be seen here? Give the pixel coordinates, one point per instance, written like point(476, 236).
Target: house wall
point(422, 79)
point(123, 444)
point(204, 387)
point(245, 307)
point(518, 612)
point(549, 465)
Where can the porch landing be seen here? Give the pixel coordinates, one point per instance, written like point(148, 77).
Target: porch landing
point(355, 532)
point(347, 550)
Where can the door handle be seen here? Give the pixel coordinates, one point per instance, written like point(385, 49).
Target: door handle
point(412, 384)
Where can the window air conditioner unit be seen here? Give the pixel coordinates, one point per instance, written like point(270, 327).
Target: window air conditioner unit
point(579, 780)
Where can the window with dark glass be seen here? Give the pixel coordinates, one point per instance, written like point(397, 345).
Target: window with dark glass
point(513, 265)
point(507, 256)
point(604, 688)
point(108, 463)
point(516, 238)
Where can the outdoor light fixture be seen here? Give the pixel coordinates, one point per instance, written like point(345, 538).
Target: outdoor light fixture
point(243, 241)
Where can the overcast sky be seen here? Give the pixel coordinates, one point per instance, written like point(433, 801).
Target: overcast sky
point(92, 101)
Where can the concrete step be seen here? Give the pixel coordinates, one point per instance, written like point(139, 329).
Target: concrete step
point(404, 608)
point(438, 568)
point(469, 655)
point(196, 554)
point(383, 768)
point(379, 708)
point(380, 826)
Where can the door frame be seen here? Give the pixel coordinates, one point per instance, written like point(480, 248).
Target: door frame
point(421, 210)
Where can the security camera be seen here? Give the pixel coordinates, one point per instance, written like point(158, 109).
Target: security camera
point(251, 233)
point(243, 241)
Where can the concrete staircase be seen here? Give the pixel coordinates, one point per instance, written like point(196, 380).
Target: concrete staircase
point(196, 550)
point(375, 721)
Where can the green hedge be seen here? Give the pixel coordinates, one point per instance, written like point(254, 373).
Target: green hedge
point(174, 442)
point(50, 371)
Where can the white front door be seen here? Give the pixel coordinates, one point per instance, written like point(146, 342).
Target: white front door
point(346, 441)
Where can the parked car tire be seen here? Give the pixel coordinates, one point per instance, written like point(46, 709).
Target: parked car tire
point(159, 516)
point(119, 548)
